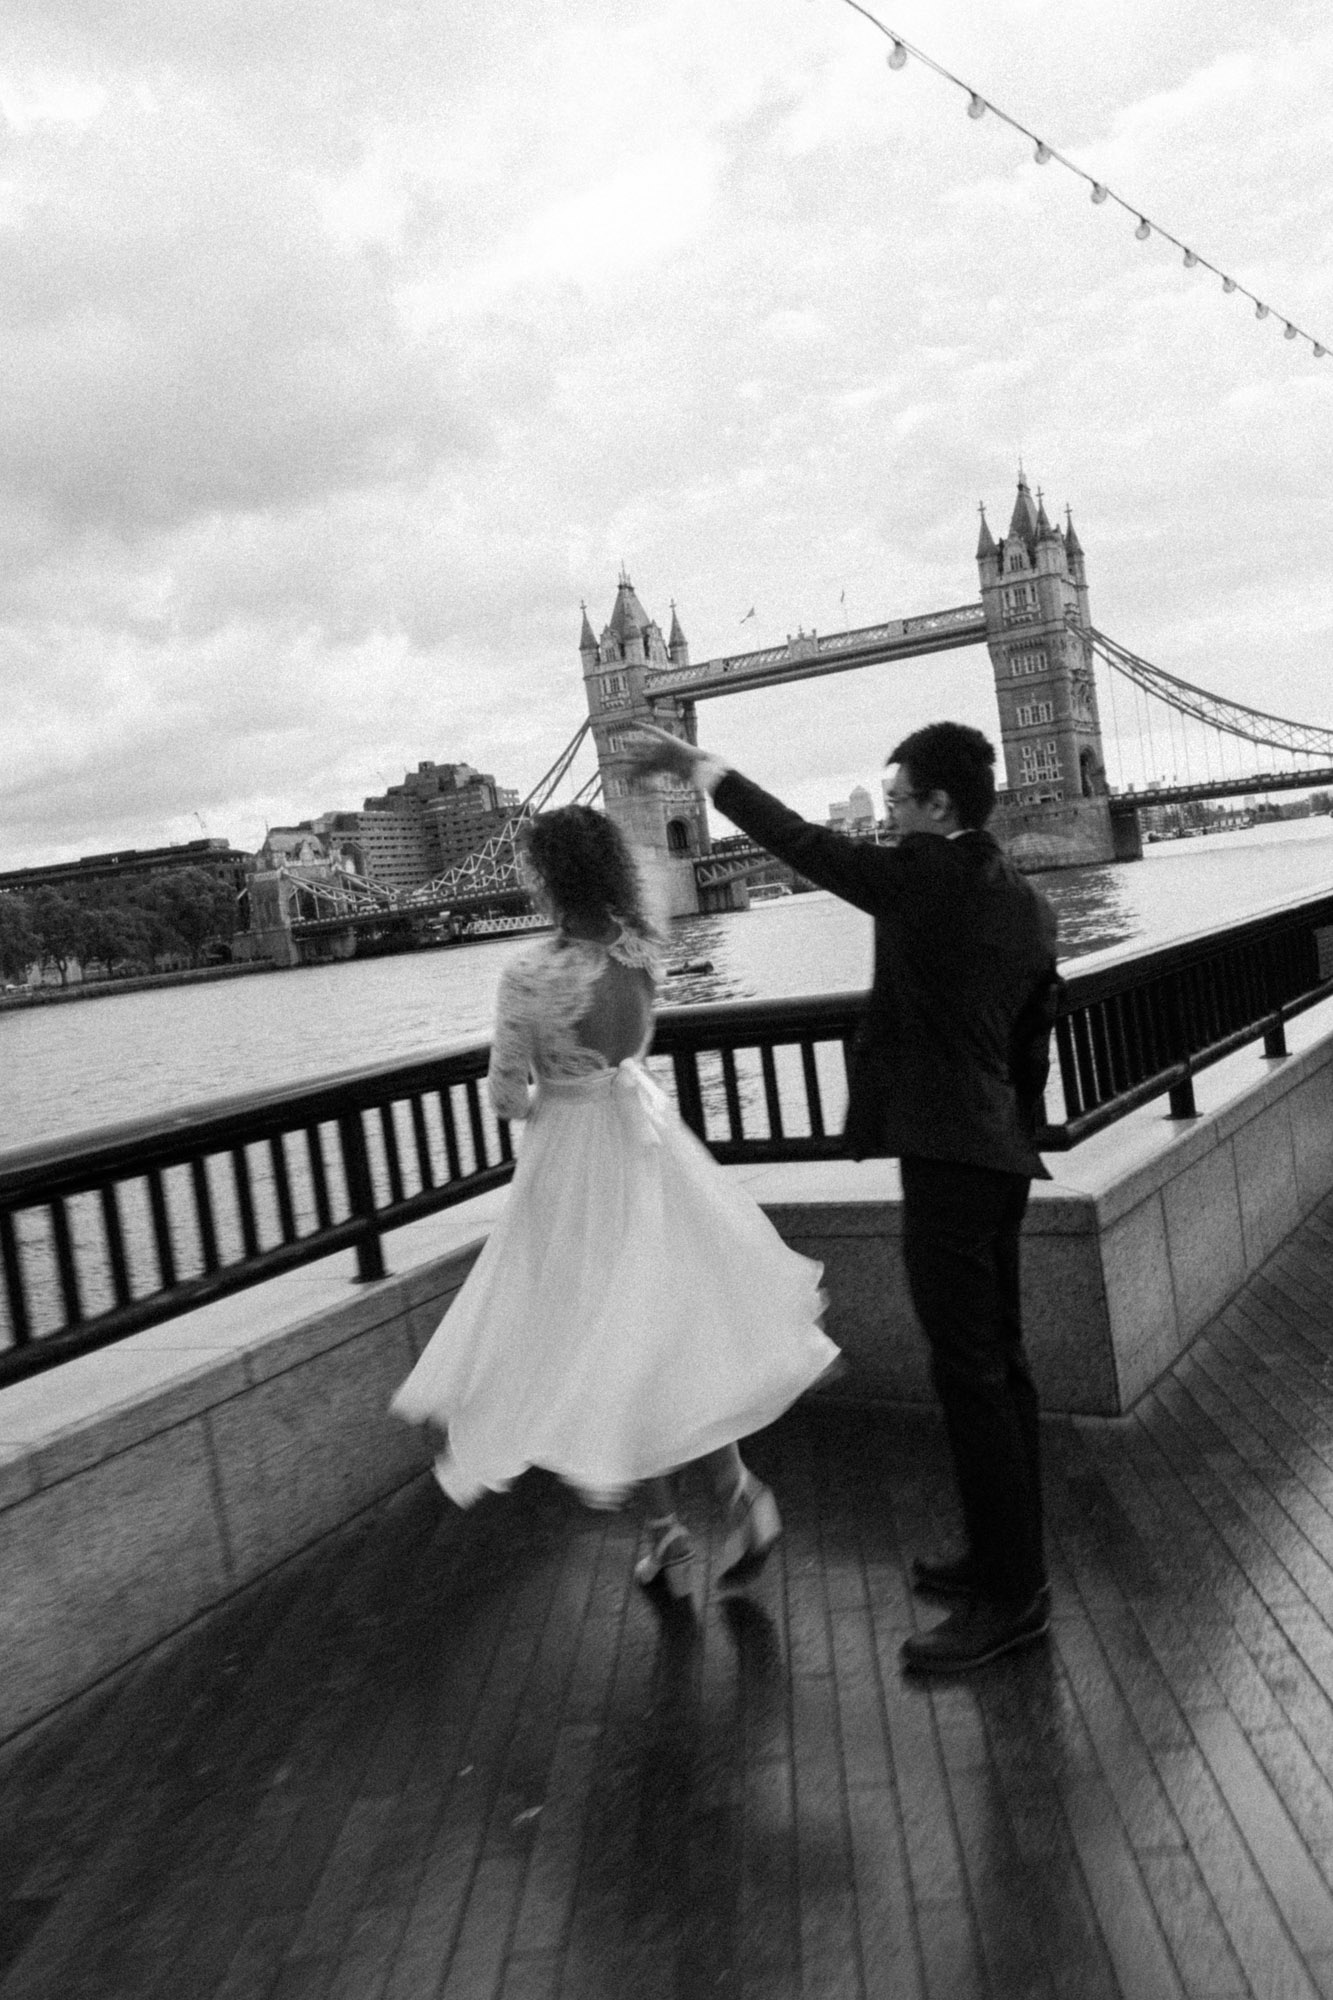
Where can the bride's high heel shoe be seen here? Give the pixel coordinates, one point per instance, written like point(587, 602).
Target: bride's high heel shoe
point(668, 1561)
point(753, 1526)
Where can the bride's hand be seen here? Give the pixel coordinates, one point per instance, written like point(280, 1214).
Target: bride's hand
point(656, 750)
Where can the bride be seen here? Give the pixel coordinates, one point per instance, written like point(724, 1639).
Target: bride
point(633, 1309)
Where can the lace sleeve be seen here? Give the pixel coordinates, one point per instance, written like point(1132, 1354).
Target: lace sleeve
point(510, 1066)
point(632, 948)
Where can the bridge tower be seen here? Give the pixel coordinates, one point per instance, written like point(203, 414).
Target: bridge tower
point(1032, 581)
point(1055, 810)
point(667, 823)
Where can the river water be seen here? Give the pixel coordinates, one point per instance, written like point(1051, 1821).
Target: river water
point(70, 1068)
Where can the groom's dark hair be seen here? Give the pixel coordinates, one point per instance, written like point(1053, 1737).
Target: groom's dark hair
point(954, 758)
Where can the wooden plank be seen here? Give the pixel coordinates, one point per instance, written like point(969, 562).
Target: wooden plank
point(1208, 1967)
point(886, 1923)
point(1253, 1924)
point(497, 1769)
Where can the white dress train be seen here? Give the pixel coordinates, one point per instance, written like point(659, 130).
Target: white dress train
point(633, 1308)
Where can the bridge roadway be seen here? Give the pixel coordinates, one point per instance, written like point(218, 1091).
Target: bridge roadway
point(404, 915)
point(460, 1755)
point(811, 654)
point(1226, 788)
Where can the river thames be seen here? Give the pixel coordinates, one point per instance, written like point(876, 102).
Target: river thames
point(70, 1068)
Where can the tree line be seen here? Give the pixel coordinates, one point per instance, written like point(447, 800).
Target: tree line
point(117, 928)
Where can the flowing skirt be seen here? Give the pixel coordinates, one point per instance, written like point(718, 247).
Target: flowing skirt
point(632, 1309)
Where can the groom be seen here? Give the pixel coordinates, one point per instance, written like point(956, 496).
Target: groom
point(947, 1075)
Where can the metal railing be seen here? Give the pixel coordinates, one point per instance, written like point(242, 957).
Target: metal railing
point(1145, 1026)
point(113, 1231)
point(109, 1232)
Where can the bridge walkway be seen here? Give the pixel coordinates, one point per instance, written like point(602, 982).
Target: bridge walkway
point(462, 1756)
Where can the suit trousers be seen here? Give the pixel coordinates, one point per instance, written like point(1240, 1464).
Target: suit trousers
point(960, 1245)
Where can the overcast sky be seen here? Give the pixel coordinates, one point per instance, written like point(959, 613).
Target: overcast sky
point(345, 348)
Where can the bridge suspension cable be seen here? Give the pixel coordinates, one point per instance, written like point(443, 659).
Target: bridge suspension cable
point(493, 868)
point(553, 776)
point(1232, 718)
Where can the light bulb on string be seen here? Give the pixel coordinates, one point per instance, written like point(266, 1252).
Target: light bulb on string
point(977, 107)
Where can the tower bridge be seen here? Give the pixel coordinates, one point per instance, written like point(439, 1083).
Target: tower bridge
point(1057, 806)
point(1033, 617)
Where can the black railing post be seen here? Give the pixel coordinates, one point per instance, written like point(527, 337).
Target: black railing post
point(689, 1097)
point(1181, 1099)
point(1275, 1038)
point(20, 1324)
point(361, 1197)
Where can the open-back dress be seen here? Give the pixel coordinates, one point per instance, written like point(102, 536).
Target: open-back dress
point(633, 1308)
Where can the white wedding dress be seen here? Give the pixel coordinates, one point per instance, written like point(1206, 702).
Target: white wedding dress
point(633, 1308)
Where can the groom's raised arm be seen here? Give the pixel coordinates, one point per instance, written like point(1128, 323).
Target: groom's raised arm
point(857, 871)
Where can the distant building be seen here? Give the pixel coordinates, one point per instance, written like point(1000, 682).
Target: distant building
point(853, 815)
point(457, 823)
point(417, 830)
point(299, 846)
point(215, 857)
point(382, 847)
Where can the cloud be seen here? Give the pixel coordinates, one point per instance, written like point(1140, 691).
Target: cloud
point(343, 351)
point(180, 338)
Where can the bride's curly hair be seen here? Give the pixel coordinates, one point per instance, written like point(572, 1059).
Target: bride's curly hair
point(583, 864)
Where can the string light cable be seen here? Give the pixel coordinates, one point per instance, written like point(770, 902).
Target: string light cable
point(1043, 153)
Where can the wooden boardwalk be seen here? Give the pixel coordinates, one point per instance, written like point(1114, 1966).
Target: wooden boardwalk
point(462, 1756)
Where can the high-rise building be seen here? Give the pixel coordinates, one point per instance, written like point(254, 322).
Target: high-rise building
point(383, 847)
point(407, 835)
point(457, 823)
point(861, 808)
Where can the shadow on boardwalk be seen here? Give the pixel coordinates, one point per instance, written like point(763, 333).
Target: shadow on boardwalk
point(461, 1755)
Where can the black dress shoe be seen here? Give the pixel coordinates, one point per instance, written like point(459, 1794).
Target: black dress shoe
point(950, 1577)
point(977, 1631)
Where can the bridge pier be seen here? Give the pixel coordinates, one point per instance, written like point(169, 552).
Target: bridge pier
point(270, 933)
point(1127, 833)
point(1069, 833)
point(717, 896)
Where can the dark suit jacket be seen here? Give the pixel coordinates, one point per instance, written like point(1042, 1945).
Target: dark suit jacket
point(952, 1054)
